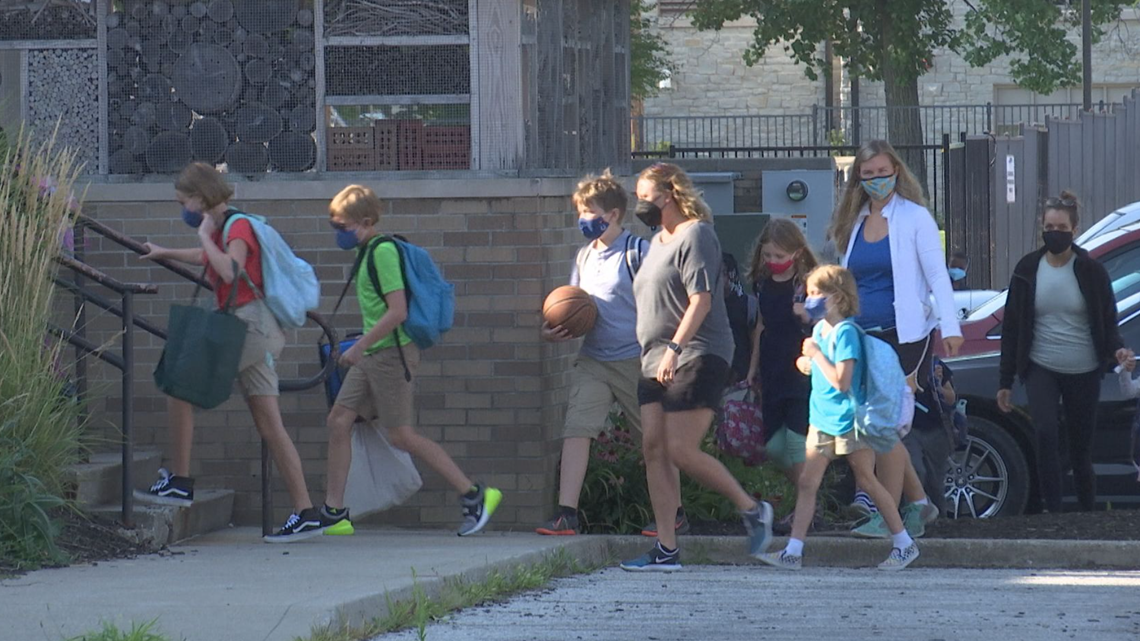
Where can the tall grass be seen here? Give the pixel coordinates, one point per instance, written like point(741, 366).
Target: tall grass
point(39, 434)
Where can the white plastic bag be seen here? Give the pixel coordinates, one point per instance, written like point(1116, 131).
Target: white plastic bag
point(380, 476)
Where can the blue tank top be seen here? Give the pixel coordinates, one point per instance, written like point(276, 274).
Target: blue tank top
point(870, 264)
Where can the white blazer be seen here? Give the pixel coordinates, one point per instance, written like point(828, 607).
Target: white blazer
point(924, 298)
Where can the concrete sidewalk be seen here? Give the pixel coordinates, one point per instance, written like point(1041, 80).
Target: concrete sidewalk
point(231, 586)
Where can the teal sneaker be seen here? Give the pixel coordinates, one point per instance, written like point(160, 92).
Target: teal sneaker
point(874, 528)
point(912, 520)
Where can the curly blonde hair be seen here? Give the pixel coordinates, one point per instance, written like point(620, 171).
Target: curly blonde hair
point(837, 284)
point(906, 185)
point(673, 180)
point(788, 236)
point(604, 192)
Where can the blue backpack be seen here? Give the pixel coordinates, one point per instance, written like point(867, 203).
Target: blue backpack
point(880, 412)
point(431, 299)
point(290, 286)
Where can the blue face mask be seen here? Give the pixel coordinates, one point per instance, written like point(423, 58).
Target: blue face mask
point(346, 239)
point(879, 188)
point(956, 273)
point(816, 306)
point(192, 218)
point(593, 228)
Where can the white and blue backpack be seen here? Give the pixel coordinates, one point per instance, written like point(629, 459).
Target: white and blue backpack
point(290, 286)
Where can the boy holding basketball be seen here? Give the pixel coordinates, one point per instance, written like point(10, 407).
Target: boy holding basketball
point(608, 365)
point(384, 363)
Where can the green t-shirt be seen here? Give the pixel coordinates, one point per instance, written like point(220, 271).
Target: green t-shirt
point(372, 305)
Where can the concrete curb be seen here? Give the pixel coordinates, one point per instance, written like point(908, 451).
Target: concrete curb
point(587, 550)
point(849, 552)
point(822, 551)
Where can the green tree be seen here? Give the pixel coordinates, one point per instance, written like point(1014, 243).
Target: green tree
point(648, 58)
point(895, 40)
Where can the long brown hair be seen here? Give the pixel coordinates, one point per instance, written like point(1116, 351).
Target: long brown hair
point(673, 180)
point(205, 182)
point(906, 185)
point(788, 236)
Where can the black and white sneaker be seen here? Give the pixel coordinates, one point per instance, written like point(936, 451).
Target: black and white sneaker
point(298, 527)
point(169, 490)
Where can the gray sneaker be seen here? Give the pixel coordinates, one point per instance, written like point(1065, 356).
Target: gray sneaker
point(783, 560)
point(899, 559)
point(758, 522)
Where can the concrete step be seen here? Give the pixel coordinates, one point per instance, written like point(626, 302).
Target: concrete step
point(159, 525)
point(99, 481)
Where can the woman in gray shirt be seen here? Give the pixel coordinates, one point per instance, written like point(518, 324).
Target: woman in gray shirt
point(686, 348)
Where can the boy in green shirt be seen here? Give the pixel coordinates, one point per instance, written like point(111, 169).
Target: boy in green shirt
point(379, 384)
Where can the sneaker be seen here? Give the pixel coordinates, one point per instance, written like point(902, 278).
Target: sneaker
point(298, 527)
point(477, 510)
point(758, 522)
point(874, 528)
point(929, 513)
point(912, 519)
point(169, 490)
point(899, 559)
point(862, 507)
point(655, 560)
point(783, 560)
point(336, 522)
point(681, 526)
point(560, 525)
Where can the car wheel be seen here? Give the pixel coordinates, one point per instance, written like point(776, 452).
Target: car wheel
point(989, 477)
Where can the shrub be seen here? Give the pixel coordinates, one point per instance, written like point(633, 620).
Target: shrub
point(39, 431)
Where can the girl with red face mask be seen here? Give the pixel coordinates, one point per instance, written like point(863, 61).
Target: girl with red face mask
point(781, 262)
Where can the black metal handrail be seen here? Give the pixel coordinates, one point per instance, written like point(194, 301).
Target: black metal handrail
point(125, 362)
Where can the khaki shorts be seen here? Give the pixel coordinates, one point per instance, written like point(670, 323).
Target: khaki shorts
point(834, 446)
point(594, 386)
point(257, 370)
point(375, 388)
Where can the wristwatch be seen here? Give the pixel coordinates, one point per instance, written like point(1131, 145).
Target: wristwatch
point(675, 347)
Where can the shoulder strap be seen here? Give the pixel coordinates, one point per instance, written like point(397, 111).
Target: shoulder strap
point(374, 276)
point(633, 253)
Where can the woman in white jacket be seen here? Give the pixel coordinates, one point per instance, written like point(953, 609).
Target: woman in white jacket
point(893, 248)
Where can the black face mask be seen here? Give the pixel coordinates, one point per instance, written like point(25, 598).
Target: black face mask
point(648, 212)
point(1057, 242)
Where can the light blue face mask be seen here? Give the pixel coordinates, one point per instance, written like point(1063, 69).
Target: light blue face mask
point(879, 188)
point(816, 307)
point(956, 273)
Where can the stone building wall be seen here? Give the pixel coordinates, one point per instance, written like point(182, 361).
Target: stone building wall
point(491, 393)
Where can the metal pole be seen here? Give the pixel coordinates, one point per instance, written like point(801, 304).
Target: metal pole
point(80, 239)
point(856, 134)
point(128, 405)
point(266, 493)
point(1086, 51)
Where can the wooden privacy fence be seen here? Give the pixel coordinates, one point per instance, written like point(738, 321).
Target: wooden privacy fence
point(997, 185)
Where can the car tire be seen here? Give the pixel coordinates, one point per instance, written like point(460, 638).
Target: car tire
point(990, 477)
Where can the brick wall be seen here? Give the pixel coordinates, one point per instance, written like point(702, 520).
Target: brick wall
point(492, 393)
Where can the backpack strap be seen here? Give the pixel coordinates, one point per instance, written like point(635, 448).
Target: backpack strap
point(633, 254)
point(374, 276)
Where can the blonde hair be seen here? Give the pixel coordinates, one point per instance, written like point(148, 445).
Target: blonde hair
point(203, 181)
point(604, 192)
point(906, 185)
point(358, 204)
point(839, 285)
point(673, 180)
point(788, 236)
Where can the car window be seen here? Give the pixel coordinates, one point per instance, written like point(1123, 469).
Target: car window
point(987, 308)
point(1122, 262)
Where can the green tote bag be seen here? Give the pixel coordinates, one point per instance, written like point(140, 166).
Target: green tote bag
point(202, 353)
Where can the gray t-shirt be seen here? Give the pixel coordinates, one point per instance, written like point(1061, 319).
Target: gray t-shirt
point(1062, 340)
point(689, 264)
point(605, 275)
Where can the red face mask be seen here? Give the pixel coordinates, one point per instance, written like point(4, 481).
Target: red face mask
point(780, 268)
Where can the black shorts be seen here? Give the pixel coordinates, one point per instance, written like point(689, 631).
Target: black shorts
point(791, 413)
point(913, 357)
point(698, 384)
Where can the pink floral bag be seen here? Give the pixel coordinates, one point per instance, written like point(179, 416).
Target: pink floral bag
point(740, 432)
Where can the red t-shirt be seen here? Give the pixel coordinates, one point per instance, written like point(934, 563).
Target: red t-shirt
point(241, 229)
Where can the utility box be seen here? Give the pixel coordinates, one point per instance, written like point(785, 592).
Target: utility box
point(807, 196)
point(717, 189)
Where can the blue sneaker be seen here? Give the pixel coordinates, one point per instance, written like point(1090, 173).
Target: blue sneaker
point(758, 522)
point(655, 560)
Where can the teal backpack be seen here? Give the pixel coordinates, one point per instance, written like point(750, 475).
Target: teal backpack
point(881, 410)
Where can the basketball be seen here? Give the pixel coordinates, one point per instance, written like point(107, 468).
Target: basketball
point(572, 308)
